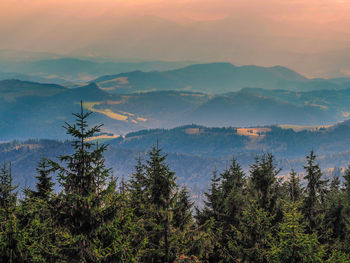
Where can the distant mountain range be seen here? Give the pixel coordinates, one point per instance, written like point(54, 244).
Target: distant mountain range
point(216, 78)
point(37, 110)
point(129, 77)
point(74, 69)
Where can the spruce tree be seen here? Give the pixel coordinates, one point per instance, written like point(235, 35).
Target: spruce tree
point(212, 203)
point(264, 186)
point(292, 244)
point(223, 210)
point(232, 186)
point(44, 186)
point(137, 188)
point(335, 219)
point(87, 206)
point(161, 188)
point(294, 188)
point(182, 216)
point(11, 239)
point(346, 177)
point(184, 230)
point(315, 190)
point(7, 195)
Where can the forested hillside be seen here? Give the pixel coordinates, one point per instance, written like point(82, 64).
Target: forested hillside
point(96, 217)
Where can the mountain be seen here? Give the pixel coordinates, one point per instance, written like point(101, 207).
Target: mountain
point(283, 141)
point(36, 110)
point(211, 78)
point(75, 69)
point(32, 78)
point(10, 90)
point(246, 109)
point(214, 78)
point(335, 102)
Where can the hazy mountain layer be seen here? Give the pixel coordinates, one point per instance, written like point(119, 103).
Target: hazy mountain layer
point(34, 110)
point(216, 78)
point(74, 69)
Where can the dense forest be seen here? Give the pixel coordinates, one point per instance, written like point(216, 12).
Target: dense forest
point(96, 217)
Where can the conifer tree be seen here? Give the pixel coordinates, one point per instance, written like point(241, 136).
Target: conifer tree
point(44, 186)
point(10, 235)
point(87, 205)
point(161, 191)
point(315, 192)
point(223, 208)
point(335, 219)
point(294, 188)
point(292, 244)
point(212, 203)
point(232, 185)
point(254, 229)
point(263, 183)
point(347, 184)
point(184, 230)
point(7, 195)
point(137, 188)
point(182, 216)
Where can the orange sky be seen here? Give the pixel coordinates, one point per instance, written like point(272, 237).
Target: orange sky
point(240, 31)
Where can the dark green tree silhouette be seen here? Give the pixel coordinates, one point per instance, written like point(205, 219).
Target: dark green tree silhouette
point(315, 192)
point(88, 205)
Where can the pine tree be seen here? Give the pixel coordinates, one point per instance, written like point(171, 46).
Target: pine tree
point(335, 219)
point(347, 183)
point(184, 230)
point(87, 206)
point(11, 239)
point(232, 186)
point(137, 186)
point(182, 216)
point(254, 229)
point(161, 191)
point(213, 201)
point(292, 244)
point(7, 196)
point(294, 188)
point(315, 192)
point(223, 210)
point(44, 186)
point(263, 183)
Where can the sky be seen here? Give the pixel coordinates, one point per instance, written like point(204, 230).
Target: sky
point(310, 36)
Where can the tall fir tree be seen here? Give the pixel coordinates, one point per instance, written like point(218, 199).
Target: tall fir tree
point(212, 202)
point(294, 188)
point(161, 188)
point(264, 186)
point(291, 244)
point(44, 186)
point(315, 190)
point(86, 206)
point(137, 187)
point(11, 238)
point(223, 210)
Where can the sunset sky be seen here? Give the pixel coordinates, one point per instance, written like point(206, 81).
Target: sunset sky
point(311, 36)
